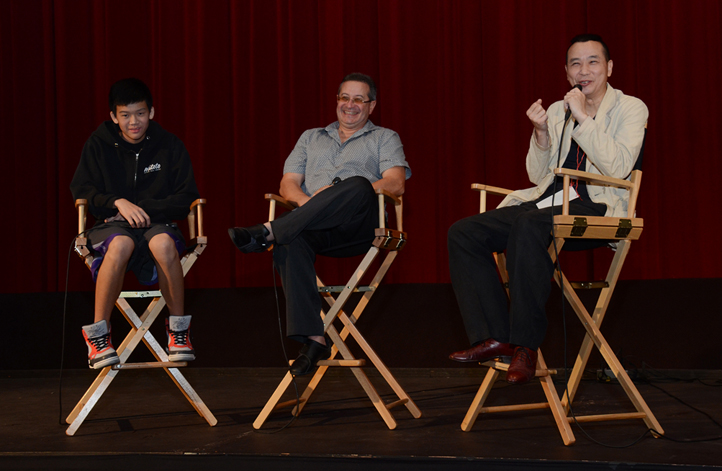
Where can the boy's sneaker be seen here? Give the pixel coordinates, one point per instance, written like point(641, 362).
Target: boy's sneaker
point(100, 350)
point(177, 329)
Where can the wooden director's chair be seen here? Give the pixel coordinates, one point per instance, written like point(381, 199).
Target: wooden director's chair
point(622, 230)
point(390, 241)
point(140, 325)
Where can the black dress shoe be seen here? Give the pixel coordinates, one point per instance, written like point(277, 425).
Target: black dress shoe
point(250, 239)
point(522, 367)
point(485, 351)
point(310, 355)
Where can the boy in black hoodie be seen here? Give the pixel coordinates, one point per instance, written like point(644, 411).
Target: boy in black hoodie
point(138, 179)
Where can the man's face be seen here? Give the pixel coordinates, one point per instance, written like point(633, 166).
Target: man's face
point(353, 116)
point(133, 120)
point(587, 67)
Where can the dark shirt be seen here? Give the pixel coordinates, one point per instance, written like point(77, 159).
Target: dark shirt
point(576, 160)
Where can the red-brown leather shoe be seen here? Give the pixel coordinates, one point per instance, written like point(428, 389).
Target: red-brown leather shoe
point(486, 350)
point(522, 367)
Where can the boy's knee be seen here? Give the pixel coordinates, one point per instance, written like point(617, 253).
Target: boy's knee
point(163, 246)
point(121, 248)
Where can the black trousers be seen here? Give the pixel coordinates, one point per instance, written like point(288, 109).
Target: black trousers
point(337, 222)
point(524, 231)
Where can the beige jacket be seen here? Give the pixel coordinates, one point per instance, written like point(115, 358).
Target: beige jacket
point(612, 142)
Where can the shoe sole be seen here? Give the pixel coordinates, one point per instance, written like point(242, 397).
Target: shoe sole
point(181, 357)
point(103, 363)
point(313, 368)
point(251, 247)
point(499, 358)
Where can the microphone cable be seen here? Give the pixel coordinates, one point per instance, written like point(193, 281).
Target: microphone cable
point(62, 337)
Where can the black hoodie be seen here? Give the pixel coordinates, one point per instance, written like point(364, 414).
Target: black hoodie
point(159, 179)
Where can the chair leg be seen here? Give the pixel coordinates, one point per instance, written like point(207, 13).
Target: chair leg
point(479, 399)
point(350, 328)
point(381, 367)
point(191, 395)
point(375, 398)
point(107, 374)
point(157, 350)
point(338, 345)
point(550, 391)
point(360, 376)
point(599, 312)
point(272, 401)
point(90, 399)
point(595, 335)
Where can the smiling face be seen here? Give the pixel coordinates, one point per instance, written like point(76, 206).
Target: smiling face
point(352, 116)
point(133, 120)
point(588, 67)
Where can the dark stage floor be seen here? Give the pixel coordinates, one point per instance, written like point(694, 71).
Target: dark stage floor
point(144, 422)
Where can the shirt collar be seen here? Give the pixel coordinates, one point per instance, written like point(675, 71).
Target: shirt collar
point(332, 130)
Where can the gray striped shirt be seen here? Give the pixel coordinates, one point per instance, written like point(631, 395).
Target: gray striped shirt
point(320, 156)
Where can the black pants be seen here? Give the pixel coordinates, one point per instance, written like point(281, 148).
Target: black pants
point(337, 222)
point(524, 231)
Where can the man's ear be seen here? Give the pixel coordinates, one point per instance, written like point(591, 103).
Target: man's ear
point(152, 113)
point(112, 116)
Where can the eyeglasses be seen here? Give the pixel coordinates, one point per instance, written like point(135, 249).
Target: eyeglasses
point(355, 100)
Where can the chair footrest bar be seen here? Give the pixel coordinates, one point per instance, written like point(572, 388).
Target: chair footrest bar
point(360, 362)
point(533, 406)
point(139, 294)
point(352, 363)
point(603, 417)
point(155, 364)
point(291, 403)
point(589, 284)
point(498, 365)
point(400, 402)
point(339, 288)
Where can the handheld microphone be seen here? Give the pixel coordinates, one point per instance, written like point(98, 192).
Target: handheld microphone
point(569, 111)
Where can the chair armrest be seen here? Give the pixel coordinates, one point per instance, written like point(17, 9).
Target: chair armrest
point(484, 189)
point(632, 185)
point(82, 206)
point(384, 197)
point(389, 197)
point(275, 200)
point(494, 190)
point(195, 219)
point(594, 178)
point(281, 200)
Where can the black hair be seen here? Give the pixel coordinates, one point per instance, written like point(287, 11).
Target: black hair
point(127, 91)
point(357, 77)
point(583, 38)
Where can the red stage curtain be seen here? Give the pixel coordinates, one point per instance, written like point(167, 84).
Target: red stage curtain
point(239, 81)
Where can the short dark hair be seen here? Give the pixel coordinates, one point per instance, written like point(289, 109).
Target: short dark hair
point(127, 91)
point(583, 38)
point(357, 77)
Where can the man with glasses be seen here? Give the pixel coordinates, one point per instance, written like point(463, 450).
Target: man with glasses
point(331, 175)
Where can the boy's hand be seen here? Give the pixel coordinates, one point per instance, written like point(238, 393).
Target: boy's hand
point(135, 215)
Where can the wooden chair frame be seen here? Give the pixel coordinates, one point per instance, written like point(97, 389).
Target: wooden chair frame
point(389, 240)
point(566, 226)
point(140, 325)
